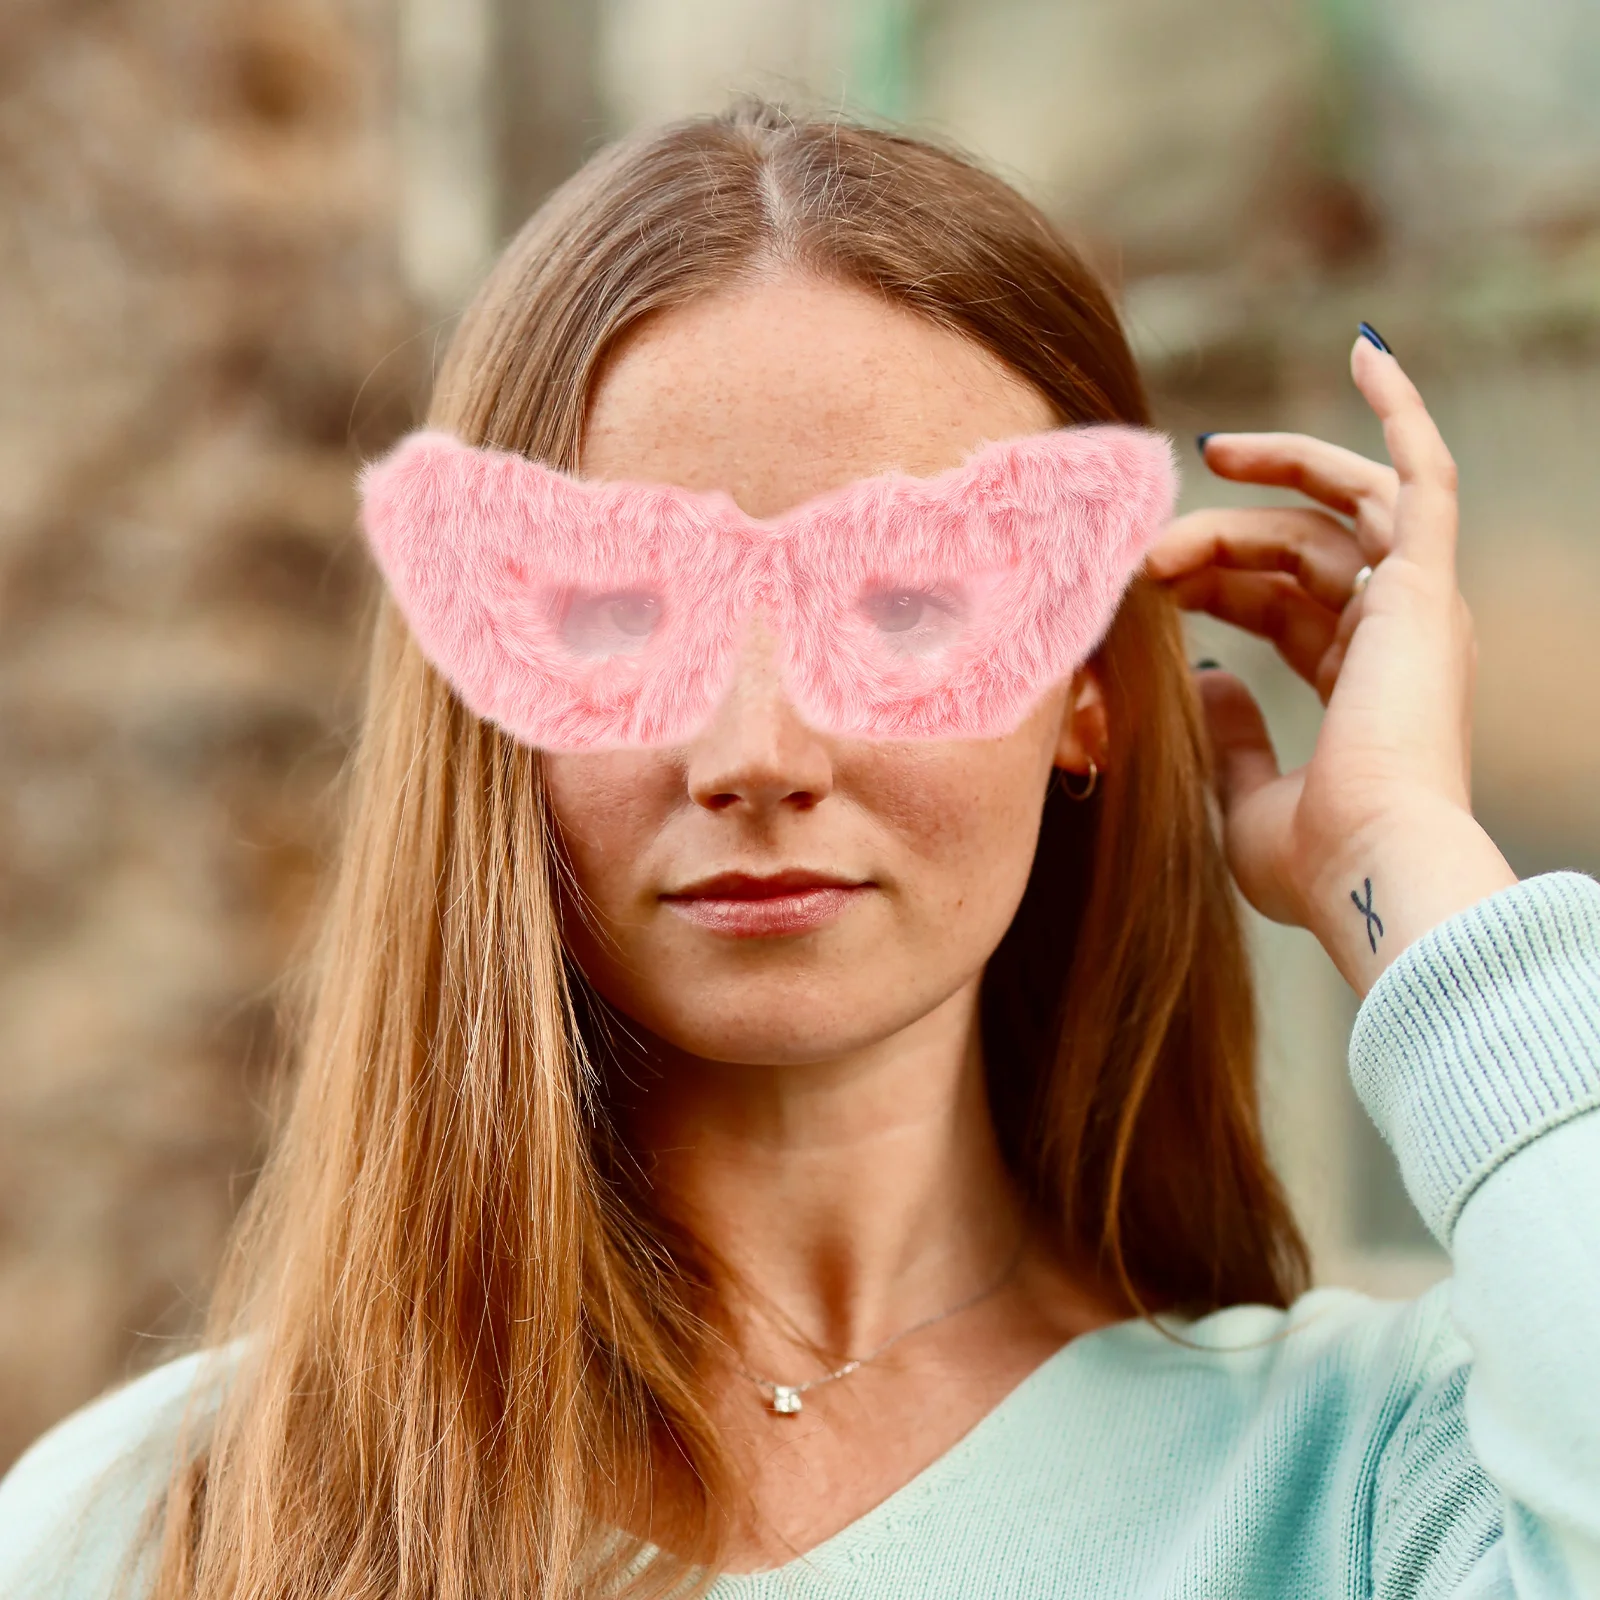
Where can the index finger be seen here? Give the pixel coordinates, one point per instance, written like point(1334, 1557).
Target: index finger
point(1337, 478)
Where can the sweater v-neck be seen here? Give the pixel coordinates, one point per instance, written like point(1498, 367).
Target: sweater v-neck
point(919, 1494)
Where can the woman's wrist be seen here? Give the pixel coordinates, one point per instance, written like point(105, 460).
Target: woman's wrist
point(1396, 878)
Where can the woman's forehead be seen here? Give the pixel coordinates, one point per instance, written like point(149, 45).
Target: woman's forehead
point(780, 389)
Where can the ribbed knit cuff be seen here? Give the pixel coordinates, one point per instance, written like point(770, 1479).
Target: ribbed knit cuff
point(1481, 1035)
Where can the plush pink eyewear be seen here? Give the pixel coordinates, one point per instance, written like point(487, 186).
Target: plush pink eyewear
point(582, 614)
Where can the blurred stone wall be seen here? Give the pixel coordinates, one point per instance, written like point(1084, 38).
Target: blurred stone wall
point(201, 329)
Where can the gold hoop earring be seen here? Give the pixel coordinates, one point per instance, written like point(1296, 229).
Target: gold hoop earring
point(1087, 790)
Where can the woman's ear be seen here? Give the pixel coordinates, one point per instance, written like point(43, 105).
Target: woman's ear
point(1083, 733)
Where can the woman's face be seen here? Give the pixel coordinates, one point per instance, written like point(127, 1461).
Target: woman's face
point(776, 391)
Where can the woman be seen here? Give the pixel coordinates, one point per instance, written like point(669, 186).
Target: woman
point(821, 1166)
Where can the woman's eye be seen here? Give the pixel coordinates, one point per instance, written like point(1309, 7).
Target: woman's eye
point(635, 614)
point(896, 610)
point(615, 623)
point(917, 621)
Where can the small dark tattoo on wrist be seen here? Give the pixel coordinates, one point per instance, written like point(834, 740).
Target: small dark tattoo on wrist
point(1373, 920)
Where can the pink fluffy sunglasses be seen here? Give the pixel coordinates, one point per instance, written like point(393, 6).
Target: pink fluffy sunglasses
point(582, 614)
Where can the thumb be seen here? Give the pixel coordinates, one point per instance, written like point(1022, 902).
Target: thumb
point(1241, 748)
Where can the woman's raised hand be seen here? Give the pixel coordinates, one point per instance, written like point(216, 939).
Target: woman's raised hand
point(1372, 841)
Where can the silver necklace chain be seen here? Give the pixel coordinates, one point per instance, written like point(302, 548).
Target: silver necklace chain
point(784, 1398)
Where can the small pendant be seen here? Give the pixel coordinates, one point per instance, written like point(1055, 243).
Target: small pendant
point(785, 1401)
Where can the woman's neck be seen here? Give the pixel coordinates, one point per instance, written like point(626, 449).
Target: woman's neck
point(849, 1198)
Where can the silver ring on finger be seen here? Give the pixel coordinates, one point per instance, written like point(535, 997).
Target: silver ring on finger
point(1360, 581)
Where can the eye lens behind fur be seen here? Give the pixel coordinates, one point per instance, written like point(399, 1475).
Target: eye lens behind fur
point(618, 622)
point(914, 621)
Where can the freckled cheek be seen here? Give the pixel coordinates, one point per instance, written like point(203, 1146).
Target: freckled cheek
point(968, 829)
point(608, 810)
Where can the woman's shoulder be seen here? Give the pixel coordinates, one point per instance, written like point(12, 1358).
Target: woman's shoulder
point(1331, 1352)
point(1335, 1396)
point(73, 1506)
point(1333, 1323)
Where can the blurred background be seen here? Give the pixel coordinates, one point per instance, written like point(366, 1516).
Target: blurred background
point(232, 236)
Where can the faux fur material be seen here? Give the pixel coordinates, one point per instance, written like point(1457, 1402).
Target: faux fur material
point(583, 614)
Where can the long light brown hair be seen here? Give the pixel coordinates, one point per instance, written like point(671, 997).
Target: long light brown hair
point(460, 1342)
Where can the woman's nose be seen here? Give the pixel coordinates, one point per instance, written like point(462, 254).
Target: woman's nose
point(756, 752)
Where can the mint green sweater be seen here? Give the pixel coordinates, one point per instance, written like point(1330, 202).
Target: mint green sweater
point(1448, 1446)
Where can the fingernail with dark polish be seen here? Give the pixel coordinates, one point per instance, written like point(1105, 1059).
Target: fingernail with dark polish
point(1205, 663)
point(1368, 332)
point(1200, 442)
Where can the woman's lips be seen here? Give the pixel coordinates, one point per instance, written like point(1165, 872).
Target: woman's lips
point(752, 907)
